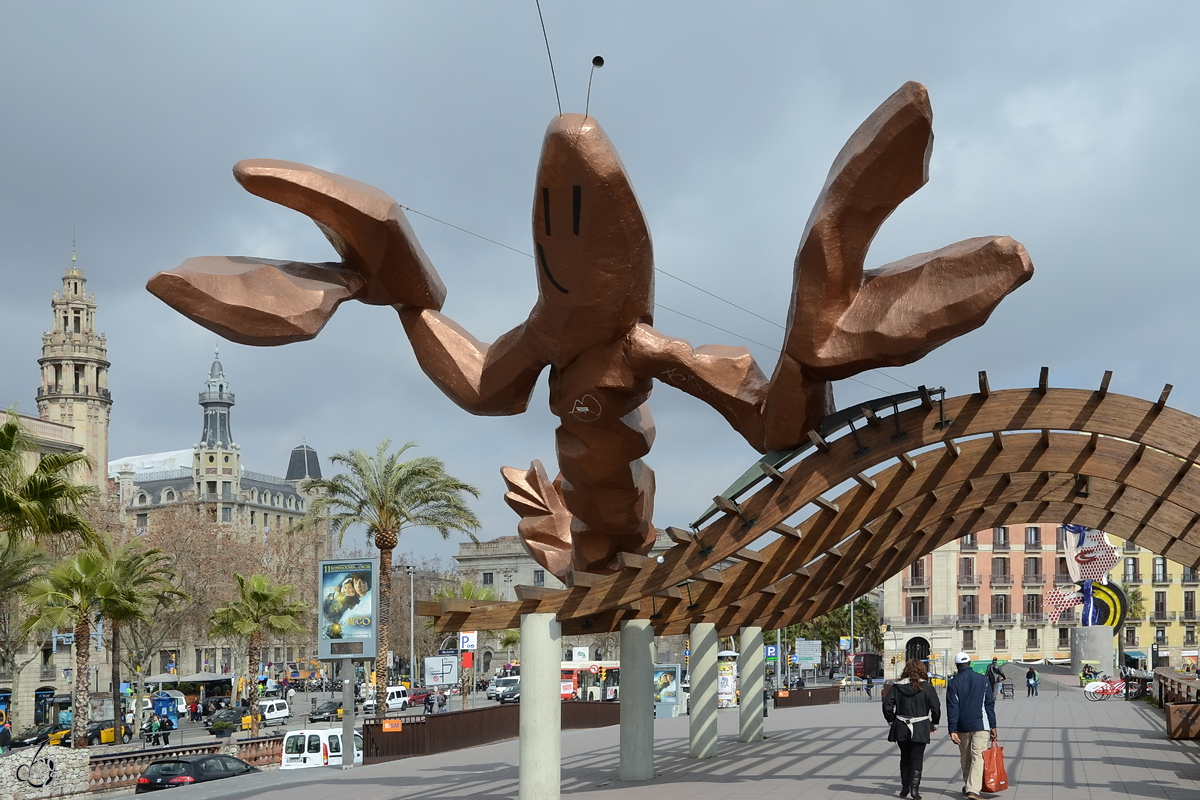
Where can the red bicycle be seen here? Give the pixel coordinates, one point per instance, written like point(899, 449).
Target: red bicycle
point(1104, 689)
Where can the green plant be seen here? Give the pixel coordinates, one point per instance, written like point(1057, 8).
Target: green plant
point(222, 726)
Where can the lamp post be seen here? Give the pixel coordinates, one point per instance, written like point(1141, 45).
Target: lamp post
point(412, 625)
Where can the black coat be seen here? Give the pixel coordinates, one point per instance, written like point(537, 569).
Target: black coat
point(905, 700)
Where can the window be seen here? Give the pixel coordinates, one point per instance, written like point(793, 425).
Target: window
point(1000, 604)
point(1160, 604)
point(1189, 604)
point(226, 490)
point(1002, 639)
point(968, 605)
point(916, 611)
point(1062, 538)
point(1064, 638)
point(226, 514)
point(1033, 567)
point(1160, 568)
point(1033, 604)
point(966, 565)
point(488, 578)
point(1130, 635)
point(251, 519)
point(1160, 636)
point(142, 519)
point(1031, 638)
point(141, 499)
point(1000, 537)
point(1000, 566)
point(1190, 575)
point(1061, 575)
point(539, 577)
point(170, 496)
point(1033, 536)
point(1131, 570)
point(968, 542)
point(968, 639)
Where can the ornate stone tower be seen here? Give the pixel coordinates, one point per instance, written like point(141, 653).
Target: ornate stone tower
point(217, 464)
point(74, 364)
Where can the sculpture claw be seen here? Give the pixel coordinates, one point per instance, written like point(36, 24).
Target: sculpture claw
point(256, 301)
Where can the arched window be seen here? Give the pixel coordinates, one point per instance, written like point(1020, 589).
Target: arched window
point(169, 496)
point(141, 499)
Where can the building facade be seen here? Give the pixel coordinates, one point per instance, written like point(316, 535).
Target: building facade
point(983, 595)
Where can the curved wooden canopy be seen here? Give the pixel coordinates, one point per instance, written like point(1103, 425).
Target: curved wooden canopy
point(919, 479)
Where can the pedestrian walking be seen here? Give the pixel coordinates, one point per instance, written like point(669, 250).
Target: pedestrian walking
point(867, 684)
point(970, 718)
point(912, 708)
point(5, 736)
point(1031, 683)
point(166, 726)
point(995, 675)
point(155, 729)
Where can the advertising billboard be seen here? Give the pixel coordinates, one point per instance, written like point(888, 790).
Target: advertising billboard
point(347, 617)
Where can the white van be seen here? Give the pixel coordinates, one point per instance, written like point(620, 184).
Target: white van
point(274, 712)
point(397, 700)
point(318, 747)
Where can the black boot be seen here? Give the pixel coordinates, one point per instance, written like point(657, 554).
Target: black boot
point(915, 779)
point(905, 782)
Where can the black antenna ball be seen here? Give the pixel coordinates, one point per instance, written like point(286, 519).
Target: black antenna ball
point(598, 61)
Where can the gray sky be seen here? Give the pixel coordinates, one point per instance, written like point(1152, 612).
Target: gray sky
point(1070, 127)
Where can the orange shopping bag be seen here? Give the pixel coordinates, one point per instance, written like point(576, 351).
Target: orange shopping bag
point(995, 777)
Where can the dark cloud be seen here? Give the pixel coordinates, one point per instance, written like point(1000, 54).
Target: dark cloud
point(1071, 132)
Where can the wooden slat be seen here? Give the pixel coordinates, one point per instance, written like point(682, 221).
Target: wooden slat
point(532, 592)
point(984, 388)
point(818, 441)
point(864, 481)
point(770, 471)
point(679, 535)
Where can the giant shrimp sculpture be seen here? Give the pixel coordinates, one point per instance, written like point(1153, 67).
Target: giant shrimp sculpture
point(592, 322)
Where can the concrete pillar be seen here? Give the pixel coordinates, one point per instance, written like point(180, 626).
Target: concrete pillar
point(541, 712)
point(751, 675)
point(637, 700)
point(1095, 645)
point(702, 672)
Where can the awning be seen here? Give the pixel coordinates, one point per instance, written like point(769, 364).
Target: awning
point(201, 677)
point(1134, 654)
point(162, 677)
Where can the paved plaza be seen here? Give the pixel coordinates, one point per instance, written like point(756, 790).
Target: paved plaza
point(1059, 745)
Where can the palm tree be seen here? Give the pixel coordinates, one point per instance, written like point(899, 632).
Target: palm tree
point(144, 578)
point(43, 502)
point(386, 495)
point(1137, 603)
point(70, 595)
point(261, 607)
point(20, 563)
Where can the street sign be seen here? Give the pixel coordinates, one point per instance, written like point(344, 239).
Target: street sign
point(594, 669)
point(687, 652)
point(771, 652)
point(468, 639)
point(447, 651)
point(808, 653)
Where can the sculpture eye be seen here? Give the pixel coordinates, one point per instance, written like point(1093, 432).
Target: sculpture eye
point(546, 210)
point(576, 206)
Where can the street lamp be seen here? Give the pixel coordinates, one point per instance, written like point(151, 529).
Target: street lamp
point(412, 625)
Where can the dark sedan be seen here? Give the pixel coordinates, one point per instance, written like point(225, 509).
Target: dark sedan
point(186, 770)
point(326, 712)
point(51, 731)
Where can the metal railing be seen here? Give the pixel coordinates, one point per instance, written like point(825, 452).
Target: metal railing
point(1131, 578)
point(1189, 616)
point(1000, 619)
point(1031, 546)
point(965, 545)
point(1032, 578)
point(970, 619)
point(1033, 619)
point(1062, 577)
point(916, 619)
point(1002, 580)
point(970, 580)
point(916, 581)
point(1001, 547)
point(1161, 577)
point(1162, 616)
point(1190, 576)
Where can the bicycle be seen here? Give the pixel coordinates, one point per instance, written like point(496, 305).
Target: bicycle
point(1104, 689)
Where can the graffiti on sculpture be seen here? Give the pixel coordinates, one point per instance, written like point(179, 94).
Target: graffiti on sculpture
point(39, 771)
point(592, 323)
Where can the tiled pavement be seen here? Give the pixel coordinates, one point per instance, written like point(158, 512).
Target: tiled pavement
point(1059, 746)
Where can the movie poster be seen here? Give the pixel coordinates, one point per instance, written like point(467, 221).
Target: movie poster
point(666, 683)
point(346, 613)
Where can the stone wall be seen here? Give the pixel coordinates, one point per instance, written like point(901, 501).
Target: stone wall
point(33, 772)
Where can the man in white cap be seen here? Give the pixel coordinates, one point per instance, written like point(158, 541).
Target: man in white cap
point(969, 700)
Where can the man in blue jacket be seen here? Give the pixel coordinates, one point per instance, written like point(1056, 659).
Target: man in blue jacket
point(970, 718)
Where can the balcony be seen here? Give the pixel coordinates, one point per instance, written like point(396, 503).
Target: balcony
point(1033, 579)
point(1131, 641)
point(1001, 647)
point(1032, 644)
point(1190, 576)
point(916, 582)
point(917, 619)
point(1033, 619)
point(1067, 616)
point(1189, 616)
point(1129, 547)
point(1162, 616)
point(1061, 578)
point(1000, 619)
point(47, 672)
point(1131, 578)
point(963, 544)
point(1161, 579)
point(1002, 580)
point(970, 580)
point(1001, 547)
point(1031, 547)
point(1189, 641)
point(969, 620)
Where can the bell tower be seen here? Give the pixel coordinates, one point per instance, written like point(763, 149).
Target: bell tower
point(74, 364)
point(217, 460)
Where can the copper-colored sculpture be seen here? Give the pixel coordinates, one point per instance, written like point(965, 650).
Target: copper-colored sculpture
point(592, 321)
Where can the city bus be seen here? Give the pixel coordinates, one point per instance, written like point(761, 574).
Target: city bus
point(867, 665)
point(579, 680)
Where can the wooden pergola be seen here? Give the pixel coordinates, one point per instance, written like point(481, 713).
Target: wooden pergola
point(922, 471)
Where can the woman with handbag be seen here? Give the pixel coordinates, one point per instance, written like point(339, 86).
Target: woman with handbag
point(912, 708)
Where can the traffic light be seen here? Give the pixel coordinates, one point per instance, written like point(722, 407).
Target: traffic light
point(603, 673)
point(893, 661)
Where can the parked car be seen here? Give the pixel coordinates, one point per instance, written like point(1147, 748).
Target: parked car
point(503, 688)
point(274, 712)
point(52, 732)
point(101, 733)
point(318, 747)
point(328, 711)
point(416, 697)
point(237, 715)
point(185, 770)
point(853, 683)
point(397, 700)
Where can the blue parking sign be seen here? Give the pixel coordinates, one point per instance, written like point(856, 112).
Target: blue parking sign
point(771, 651)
